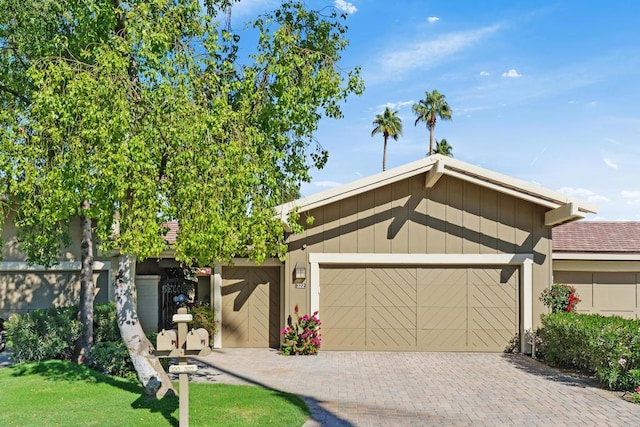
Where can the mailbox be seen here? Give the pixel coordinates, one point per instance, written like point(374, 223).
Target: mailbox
point(167, 340)
point(197, 339)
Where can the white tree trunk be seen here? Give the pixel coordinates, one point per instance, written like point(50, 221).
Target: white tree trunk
point(150, 373)
point(87, 288)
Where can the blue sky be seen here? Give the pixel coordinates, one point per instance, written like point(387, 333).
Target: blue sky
point(545, 91)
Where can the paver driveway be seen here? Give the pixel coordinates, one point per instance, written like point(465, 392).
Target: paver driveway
point(395, 389)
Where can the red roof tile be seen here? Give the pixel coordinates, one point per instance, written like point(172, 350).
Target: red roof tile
point(172, 233)
point(595, 236)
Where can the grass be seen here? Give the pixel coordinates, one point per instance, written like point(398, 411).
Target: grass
point(58, 393)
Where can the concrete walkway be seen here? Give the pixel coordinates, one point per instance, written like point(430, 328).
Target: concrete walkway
point(400, 389)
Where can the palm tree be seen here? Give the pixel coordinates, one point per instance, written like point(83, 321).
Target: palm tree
point(443, 148)
point(389, 125)
point(434, 105)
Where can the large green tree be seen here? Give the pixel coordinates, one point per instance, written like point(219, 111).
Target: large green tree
point(132, 113)
point(389, 125)
point(427, 110)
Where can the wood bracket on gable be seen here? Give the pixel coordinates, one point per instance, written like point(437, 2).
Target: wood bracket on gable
point(565, 213)
point(434, 174)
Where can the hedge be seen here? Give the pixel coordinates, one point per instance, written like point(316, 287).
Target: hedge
point(608, 347)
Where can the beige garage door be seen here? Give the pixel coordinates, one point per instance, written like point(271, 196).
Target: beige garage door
point(418, 308)
point(606, 293)
point(250, 307)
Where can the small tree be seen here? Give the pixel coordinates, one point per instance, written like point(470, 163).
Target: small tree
point(443, 147)
point(427, 110)
point(560, 298)
point(389, 125)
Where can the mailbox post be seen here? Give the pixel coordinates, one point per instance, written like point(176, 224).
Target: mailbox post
point(180, 343)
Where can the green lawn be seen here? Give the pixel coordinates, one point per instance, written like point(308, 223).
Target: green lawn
point(57, 393)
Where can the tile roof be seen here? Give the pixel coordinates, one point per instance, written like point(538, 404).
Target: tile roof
point(596, 236)
point(172, 232)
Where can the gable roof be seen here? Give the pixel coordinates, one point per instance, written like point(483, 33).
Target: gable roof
point(562, 207)
point(601, 237)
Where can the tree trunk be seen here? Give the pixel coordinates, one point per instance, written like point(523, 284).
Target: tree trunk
point(87, 287)
point(150, 373)
point(384, 155)
point(431, 140)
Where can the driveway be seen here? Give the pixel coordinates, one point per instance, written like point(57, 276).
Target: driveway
point(385, 388)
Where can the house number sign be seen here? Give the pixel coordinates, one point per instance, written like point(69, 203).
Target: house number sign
point(301, 285)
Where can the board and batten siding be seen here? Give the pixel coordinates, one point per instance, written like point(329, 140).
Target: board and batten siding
point(453, 217)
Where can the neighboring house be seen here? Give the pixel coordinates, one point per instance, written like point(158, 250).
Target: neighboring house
point(25, 287)
point(602, 261)
point(437, 254)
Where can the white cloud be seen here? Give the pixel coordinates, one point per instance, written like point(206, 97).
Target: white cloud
point(427, 54)
point(484, 73)
point(633, 196)
point(432, 19)
point(512, 74)
point(395, 105)
point(610, 163)
point(584, 194)
point(592, 104)
point(251, 8)
point(630, 194)
point(345, 6)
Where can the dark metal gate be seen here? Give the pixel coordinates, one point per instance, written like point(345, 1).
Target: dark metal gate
point(171, 288)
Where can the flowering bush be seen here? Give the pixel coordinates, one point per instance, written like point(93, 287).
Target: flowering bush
point(303, 337)
point(560, 298)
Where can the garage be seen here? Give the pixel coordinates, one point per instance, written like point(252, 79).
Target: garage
point(250, 306)
point(434, 255)
point(417, 308)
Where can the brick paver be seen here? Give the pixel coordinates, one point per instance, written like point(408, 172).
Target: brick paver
point(416, 389)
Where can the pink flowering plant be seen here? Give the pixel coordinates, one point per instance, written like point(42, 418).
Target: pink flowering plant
point(560, 298)
point(302, 337)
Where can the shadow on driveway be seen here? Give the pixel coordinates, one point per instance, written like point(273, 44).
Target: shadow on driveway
point(559, 375)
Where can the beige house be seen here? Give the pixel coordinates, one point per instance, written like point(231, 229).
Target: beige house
point(435, 255)
point(602, 261)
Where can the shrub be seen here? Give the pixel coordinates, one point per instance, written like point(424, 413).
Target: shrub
point(204, 317)
point(112, 358)
point(303, 337)
point(609, 347)
point(105, 323)
point(560, 298)
point(44, 334)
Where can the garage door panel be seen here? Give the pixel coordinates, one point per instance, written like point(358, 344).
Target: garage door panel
point(442, 276)
point(391, 317)
point(492, 296)
point(490, 339)
point(442, 318)
point(397, 339)
point(343, 317)
point(343, 339)
point(379, 295)
point(442, 339)
point(342, 295)
point(442, 295)
point(491, 318)
point(395, 287)
point(343, 276)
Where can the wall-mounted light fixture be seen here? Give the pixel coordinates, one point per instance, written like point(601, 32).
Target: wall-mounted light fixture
point(299, 272)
